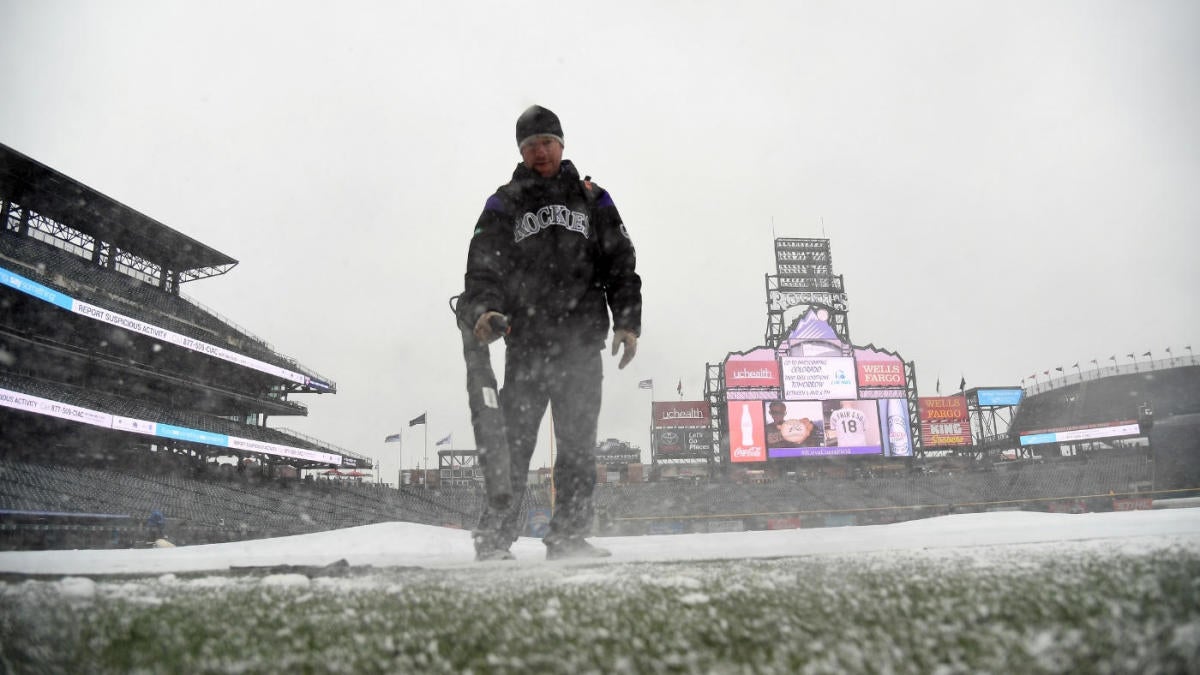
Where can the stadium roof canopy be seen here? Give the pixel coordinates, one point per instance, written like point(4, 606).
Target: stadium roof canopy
point(47, 192)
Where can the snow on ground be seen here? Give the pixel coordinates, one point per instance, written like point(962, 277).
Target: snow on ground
point(409, 544)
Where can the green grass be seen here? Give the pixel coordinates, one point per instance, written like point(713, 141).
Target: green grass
point(1018, 609)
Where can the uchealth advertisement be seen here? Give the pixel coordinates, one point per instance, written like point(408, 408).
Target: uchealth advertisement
point(757, 368)
point(746, 442)
point(680, 414)
point(818, 378)
point(944, 420)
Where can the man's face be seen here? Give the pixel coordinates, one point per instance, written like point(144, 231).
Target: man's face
point(777, 412)
point(542, 154)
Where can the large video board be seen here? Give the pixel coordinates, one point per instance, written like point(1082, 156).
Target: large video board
point(816, 395)
point(784, 429)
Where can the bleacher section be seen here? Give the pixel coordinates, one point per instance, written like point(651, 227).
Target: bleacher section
point(213, 503)
point(975, 490)
point(223, 506)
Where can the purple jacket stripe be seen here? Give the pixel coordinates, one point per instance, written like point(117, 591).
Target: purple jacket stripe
point(494, 204)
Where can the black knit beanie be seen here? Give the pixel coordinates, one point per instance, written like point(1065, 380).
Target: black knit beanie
point(538, 121)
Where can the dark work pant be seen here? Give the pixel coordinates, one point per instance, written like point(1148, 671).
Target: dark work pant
point(568, 377)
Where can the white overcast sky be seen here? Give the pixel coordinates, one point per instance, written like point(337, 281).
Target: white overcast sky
point(1008, 186)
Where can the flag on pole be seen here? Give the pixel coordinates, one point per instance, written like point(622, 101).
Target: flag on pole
point(938, 385)
point(1076, 365)
point(1113, 357)
point(679, 388)
point(1094, 361)
point(963, 383)
point(417, 420)
point(1058, 368)
point(1147, 354)
point(393, 438)
point(1130, 355)
point(646, 384)
point(445, 441)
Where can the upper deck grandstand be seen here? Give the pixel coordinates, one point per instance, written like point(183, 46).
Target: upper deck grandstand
point(100, 355)
point(1128, 399)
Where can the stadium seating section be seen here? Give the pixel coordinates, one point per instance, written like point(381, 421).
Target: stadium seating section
point(212, 503)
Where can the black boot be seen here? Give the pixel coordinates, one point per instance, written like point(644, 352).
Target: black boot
point(573, 547)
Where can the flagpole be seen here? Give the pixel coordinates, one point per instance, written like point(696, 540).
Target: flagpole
point(652, 448)
point(425, 469)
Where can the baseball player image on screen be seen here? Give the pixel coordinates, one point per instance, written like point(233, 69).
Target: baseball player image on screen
point(849, 425)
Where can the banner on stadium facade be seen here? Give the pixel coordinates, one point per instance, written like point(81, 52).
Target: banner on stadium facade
point(877, 369)
point(757, 368)
point(944, 420)
point(1082, 433)
point(671, 414)
point(48, 407)
point(1133, 504)
point(784, 523)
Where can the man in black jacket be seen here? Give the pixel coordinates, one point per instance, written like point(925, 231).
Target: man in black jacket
point(551, 254)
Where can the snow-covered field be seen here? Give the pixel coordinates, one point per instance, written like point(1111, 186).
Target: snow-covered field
point(998, 592)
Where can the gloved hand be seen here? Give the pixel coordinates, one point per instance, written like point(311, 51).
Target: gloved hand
point(625, 337)
point(484, 331)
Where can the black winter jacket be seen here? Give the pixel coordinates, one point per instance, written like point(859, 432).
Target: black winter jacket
point(554, 259)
